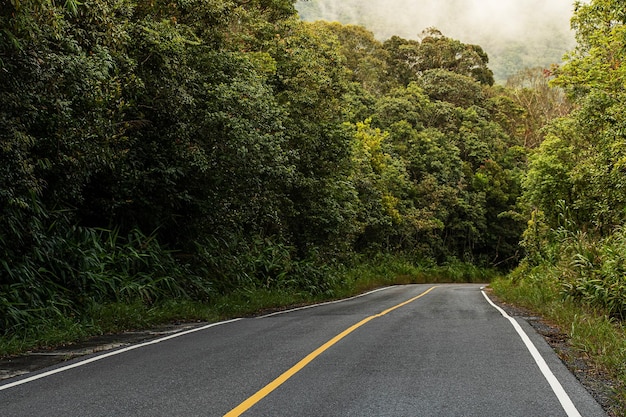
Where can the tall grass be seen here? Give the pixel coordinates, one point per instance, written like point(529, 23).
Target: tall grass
point(368, 272)
point(64, 270)
point(122, 283)
point(262, 263)
point(593, 330)
point(596, 272)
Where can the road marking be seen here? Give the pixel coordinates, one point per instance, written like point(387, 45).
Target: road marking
point(263, 392)
point(109, 354)
point(322, 304)
point(152, 342)
point(556, 386)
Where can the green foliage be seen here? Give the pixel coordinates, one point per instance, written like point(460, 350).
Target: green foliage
point(194, 150)
point(409, 59)
point(596, 272)
point(68, 268)
point(575, 183)
point(596, 63)
point(448, 86)
point(262, 263)
point(593, 136)
point(381, 183)
point(538, 102)
point(464, 175)
point(547, 182)
point(365, 58)
point(593, 336)
point(575, 239)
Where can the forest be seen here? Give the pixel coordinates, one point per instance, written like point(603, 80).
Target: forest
point(158, 152)
point(516, 34)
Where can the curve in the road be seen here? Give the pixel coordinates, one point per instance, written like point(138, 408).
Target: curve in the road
point(263, 392)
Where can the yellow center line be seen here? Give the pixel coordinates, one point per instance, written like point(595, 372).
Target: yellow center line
point(263, 392)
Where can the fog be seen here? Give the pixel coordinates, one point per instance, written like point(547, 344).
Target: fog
point(515, 33)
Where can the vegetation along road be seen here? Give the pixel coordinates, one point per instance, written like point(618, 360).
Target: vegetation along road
point(417, 350)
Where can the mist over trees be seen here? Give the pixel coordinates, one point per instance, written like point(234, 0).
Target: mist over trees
point(515, 34)
point(575, 181)
point(152, 152)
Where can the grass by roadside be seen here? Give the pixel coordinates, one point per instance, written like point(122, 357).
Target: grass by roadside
point(364, 275)
point(594, 337)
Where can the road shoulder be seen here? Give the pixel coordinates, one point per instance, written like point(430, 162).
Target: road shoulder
point(595, 382)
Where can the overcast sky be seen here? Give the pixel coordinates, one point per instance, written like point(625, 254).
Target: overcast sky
point(466, 20)
point(499, 26)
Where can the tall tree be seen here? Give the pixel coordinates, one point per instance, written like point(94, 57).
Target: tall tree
point(366, 59)
point(582, 164)
point(540, 101)
point(410, 58)
point(596, 63)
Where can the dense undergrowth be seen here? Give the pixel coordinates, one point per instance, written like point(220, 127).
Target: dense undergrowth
point(577, 282)
point(209, 153)
point(150, 301)
point(594, 336)
point(197, 160)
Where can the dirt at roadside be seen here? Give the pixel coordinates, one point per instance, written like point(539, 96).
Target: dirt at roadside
point(595, 381)
point(13, 366)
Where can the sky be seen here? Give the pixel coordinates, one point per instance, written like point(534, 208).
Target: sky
point(539, 30)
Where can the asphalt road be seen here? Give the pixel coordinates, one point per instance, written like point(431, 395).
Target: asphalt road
point(400, 351)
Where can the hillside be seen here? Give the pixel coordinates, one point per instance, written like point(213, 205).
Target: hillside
point(516, 35)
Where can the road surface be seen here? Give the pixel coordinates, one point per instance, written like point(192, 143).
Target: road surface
point(416, 350)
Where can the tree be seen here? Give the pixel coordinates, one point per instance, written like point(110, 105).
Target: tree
point(408, 59)
point(464, 169)
point(60, 93)
point(596, 63)
point(531, 90)
point(448, 86)
point(365, 57)
point(582, 163)
point(381, 183)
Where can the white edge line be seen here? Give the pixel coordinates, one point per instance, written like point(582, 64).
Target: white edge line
point(109, 354)
point(159, 340)
point(322, 304)
point(556, 386)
